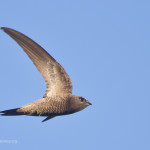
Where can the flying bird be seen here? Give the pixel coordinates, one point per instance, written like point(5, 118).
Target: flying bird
point(58, 99)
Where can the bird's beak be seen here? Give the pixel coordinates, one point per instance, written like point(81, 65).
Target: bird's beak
point(89, 103)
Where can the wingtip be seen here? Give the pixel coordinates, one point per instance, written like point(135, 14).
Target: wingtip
point(47, 118)
point(3, 28)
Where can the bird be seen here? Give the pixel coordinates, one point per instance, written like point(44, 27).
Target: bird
point(58, 99)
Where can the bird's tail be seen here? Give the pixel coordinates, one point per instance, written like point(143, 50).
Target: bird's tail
point(11, 112)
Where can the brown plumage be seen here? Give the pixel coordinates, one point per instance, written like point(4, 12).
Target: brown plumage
point(58, 99)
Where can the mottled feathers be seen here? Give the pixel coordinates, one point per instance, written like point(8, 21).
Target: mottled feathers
point(58, 99)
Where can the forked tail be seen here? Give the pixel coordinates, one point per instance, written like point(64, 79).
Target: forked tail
point(14, 112)
point(10, 112)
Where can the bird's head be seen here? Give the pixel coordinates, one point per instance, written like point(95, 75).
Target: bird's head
point(84, 101)
point(78, 103)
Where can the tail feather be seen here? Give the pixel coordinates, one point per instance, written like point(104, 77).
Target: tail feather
point(10, 112)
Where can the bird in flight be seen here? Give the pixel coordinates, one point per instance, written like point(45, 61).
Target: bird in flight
point(58, 99)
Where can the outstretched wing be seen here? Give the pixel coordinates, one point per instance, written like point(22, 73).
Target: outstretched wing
point(56, 78)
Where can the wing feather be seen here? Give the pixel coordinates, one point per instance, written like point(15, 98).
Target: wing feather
point(56, 78)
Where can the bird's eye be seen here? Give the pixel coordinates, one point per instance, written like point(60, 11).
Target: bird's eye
point(81, 99)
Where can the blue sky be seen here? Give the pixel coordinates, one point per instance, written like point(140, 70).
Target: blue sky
point(105, 48)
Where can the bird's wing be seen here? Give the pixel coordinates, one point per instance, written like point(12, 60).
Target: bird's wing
point(56, 78)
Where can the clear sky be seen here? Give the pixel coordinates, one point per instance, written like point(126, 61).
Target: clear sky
point(104, 46)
